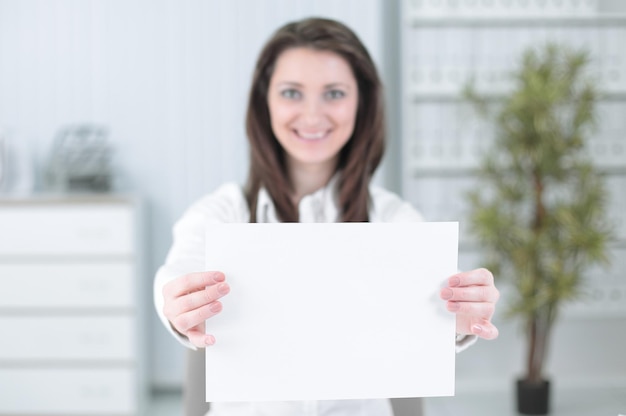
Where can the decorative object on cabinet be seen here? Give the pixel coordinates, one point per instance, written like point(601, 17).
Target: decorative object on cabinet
point(16, 164)
point(80, 160)
point(71, 302)
point(3, 159)
point(540, 210)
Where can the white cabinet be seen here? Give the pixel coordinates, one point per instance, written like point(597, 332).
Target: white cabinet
point(68, 391)
point(69, 306)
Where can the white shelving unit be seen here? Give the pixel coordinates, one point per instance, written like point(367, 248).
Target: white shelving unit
point(446, 43)
point(70, 314)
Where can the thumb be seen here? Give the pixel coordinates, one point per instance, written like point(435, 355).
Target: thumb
point(485, 330)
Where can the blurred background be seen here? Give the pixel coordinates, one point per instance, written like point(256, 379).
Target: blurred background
point(116, 115)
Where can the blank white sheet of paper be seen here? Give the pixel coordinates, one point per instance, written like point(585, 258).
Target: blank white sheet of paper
point(331, 311)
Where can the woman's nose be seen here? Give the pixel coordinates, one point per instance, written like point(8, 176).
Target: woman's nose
point(313, 111)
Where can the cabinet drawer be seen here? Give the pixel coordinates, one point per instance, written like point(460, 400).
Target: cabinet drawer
point(67, 392)
point(93, 338)
point(49, 229)
point(67, 285)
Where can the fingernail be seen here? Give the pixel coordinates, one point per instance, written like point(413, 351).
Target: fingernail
point(218, 277)
point(454, 281)
point(446, 293)
point(454, 306)
point(223, 288)
point(477, 329)
point(216, 307)
point(209, 340)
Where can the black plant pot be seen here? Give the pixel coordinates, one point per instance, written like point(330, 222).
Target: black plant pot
point(533, 398)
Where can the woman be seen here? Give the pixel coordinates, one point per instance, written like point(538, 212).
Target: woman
point(315, 124)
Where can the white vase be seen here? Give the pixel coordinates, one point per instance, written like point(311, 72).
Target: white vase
point(3, 159)
point(16, 165)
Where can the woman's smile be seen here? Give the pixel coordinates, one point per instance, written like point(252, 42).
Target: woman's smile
point(312, 136)
point(313, 99)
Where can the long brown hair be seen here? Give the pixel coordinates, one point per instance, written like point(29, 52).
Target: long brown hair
point(361, 155)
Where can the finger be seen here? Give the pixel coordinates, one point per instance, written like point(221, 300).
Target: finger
point(470, 294)
point(485, 330)
point(483, 310)
point(199, 298)
point(200, 339)
point(480, 277)
point(185, 321)
point(191, 282)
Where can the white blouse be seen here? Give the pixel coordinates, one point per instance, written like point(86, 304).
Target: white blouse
point(228, 204)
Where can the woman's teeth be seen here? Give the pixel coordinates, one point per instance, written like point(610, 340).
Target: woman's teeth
point(312, 136)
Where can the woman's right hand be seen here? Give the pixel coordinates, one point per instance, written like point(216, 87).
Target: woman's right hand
point(190, 300)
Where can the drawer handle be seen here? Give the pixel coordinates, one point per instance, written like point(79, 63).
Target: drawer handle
point(91, 391)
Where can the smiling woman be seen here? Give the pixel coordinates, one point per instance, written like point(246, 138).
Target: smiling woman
point(337, 82)
point(313, 98)
point(315, 124)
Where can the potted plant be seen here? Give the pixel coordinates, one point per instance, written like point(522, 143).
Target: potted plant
point(540, 208)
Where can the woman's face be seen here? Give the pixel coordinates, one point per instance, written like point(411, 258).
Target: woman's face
point(312, 99)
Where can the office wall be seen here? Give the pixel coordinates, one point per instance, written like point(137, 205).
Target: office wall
point(169, 79)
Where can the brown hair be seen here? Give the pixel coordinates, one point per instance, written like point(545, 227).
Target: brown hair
point(361, 155)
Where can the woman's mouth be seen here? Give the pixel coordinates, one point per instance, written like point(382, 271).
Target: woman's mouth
point(312, 135)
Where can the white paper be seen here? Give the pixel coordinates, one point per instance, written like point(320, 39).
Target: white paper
point(331, 311)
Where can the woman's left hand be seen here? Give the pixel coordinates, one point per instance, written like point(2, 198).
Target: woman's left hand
point(472, 296)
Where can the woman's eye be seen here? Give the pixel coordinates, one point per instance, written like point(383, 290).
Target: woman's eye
point(335, 94)
point(291, 94)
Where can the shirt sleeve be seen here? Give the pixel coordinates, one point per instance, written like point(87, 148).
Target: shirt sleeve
point(388, 207)
point(186, 255)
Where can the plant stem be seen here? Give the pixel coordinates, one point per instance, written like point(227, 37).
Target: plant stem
point(540, 209)
point(537, 341)
point(538, 325)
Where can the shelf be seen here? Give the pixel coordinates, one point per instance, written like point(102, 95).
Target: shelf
point(517, 20)
point(417, 96)
point(451, 171)
point(51, 198)
point(472, 245)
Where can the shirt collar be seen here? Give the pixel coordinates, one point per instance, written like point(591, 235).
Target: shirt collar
point(319, 206)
